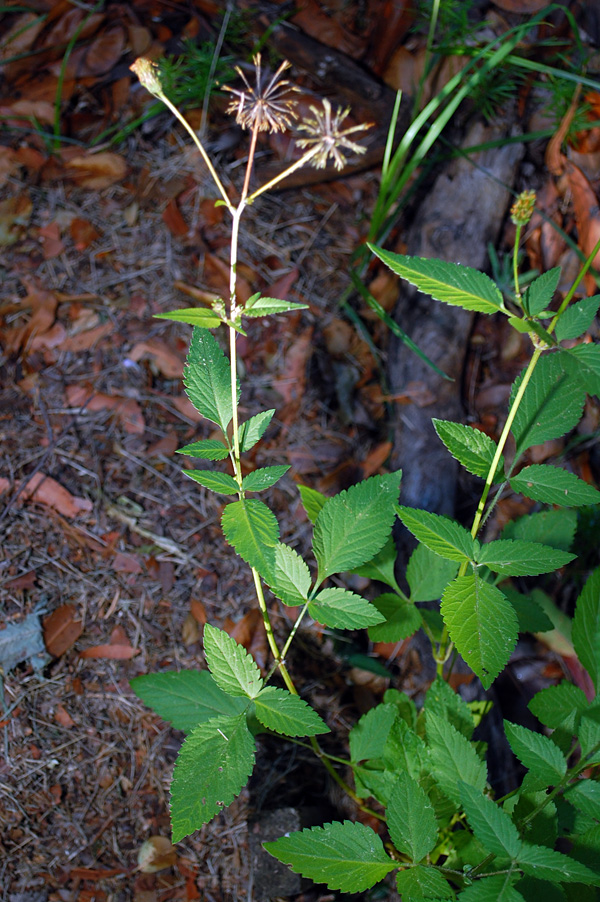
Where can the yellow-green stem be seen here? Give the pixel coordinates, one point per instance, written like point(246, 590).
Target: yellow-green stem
point(200, 147)
point(283, 175)
point(516, 263)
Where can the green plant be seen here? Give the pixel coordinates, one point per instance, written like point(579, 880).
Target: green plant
point(447, 835)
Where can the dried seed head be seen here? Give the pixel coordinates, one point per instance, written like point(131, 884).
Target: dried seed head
point(327, 136)
point(522, 209)
point(147, 72)
point(265, 106)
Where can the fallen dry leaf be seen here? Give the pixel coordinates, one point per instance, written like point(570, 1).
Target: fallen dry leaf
point(98, 170)
point(52, 244)
point(118, 649)
point(376, 458)
point(156, 854)
point(21, 582)
point(168, 362)
point(126, 563)
point(585, 204)
point(15, 213)
point(311, 19)
point(198, 611)
point(127, 410)
point(104, 51)
point(62, 717)
point(189, 631)
point(173, 219)
point(291, 385)
point(83, 233)
point(45, 490)
point(62, 629)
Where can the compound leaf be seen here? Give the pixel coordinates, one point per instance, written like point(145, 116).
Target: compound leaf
point(233, 669)
point(586, 628)
point(253, 531)
point(443, 701)
point(207, 449)
point(539, 295)
point(214, 481)
point(369, 736)
point(354, 525)
point(452, 283)
point(282, 712)
point(428, 574)
point(552, 527)
point(472, 448)
point(254, 428)
point(441, 535)
point(510, 557)
point(194, 316)
point(382, 567)
point(553, 485)
point(583, 362)
point(259, 306)
point(312, 502)
point(452, 758)
point(402, 619)
point(290, 577)
point(341, 609)
point(491, 825)
point(423, 882)
point(207, 380)
point(531, 616)
point(577, 318)
point(551, 405)
point(482, 624)
point(262, 479)
point(559, 706)
point(497, 888)
point(185, 698)
point(213, 766)
point(346, 856)
point(411, 819)
point(546, 864)
point(542, 757)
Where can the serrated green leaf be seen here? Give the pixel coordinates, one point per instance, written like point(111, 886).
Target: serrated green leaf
point(282, 712)
point(345, 856)
point(207, 379)
point(532, 890)
point(428, 574)
point(472, 448)
point(195, 316)
point(207, 449)
point(441, 535)
point(368, 737)
point(559, 706)
point(546, 864)
point(402, 619)
point(497, 888)
point(259, 306)
point(404, 705)
point(312, 502)
point(530, 615)
point(452, 758)
point(213, 766)
point(354, 525)
point(586, 848)
point(586, 628)
point(482, 624)
point(452, 283)
point(254, 429)
point(444, 702)
point(423, 882)
point(585, 796)
point(588, 734)
point(554, 528)
point(233, 669)
point(214, 481)
point(262, 479)
point(290, 577)
point(541, 291)
point(583, 363)
point(382, 566)
point(553, 485)
point(341, 609)
point(404, 751)
point(411, 819)
point(510, 557)
point(253, 531)
point(540, 815)
point(490, 824)
point(577, 318)
point(542, 758)
point(185, 698)
point(551, 405)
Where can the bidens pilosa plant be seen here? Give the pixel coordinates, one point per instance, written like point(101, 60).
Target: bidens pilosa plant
point(442, 832)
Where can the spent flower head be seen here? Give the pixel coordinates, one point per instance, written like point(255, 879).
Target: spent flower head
point(147, 72)
point(265, 106)
point(522, 209)
point(327, 138)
